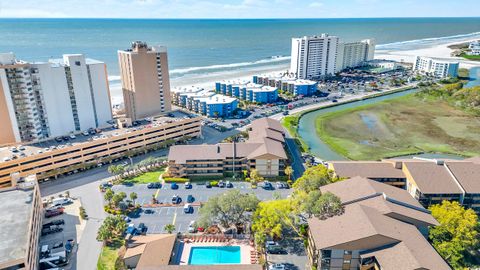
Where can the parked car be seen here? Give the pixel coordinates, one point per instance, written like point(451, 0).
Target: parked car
point(191, 227)
point(148, 211)
point(54, 222)
point(176, 199)
point(72, 136)
point(51, 229)
point(154, 185)
point(188, 185)
point(187, 209)
point(208, 185)
point(61, 201)
point(275, 250)
point(142, 229)
point(221, 184)
point(229, 184)
point(173, 186)
point(131, 229)
point(279, 185)
point(277, 266)
point(267, 185)
point(53, 213)
point(58, 139)
point(57, 245)
point(190, 199)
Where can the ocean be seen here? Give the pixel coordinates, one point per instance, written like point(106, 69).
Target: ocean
point(202, 50)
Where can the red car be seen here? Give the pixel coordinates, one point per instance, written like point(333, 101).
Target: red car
point(53, 213)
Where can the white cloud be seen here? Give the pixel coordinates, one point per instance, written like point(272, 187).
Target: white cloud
point(316, 4)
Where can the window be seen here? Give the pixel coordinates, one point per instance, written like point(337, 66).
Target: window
point(346, 261)
point(347, 252)
point(77, 63)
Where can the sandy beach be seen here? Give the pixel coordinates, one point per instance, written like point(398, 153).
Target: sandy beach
point(438, 51)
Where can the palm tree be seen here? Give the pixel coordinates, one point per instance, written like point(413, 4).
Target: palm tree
point(170, 228)
point(289, 172)
point(113, 170)
point(133, 197)
point(109, 195)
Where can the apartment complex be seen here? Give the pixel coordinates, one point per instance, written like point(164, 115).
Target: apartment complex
point(21, 219)
point(55, 98)
point(145, 80)
point(287, 83)
point(354, 54)
point(318, 56)
point(264, 151)
point(246, 90)
point(50, 159)
point(382, 227)
point(474, 48)
point(436, 67)
point(428, 181)
point(314, 57)
point(205, 102)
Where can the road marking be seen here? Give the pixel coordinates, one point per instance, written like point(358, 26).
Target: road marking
point(174, 217)
point(156, 193)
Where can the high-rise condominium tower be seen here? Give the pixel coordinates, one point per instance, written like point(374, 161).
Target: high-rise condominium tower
point(145, 80)
point(42, 100)
point(314, 57)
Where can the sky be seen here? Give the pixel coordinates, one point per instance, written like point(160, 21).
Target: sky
point(237, 8)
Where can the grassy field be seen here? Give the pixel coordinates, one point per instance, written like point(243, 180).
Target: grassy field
point(471, 57)
point(146, 178)
point(401, 126)
point(109, 260)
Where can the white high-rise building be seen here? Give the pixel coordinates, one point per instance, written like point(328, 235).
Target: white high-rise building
point(436, 67)
point(354, 54)
point(314, 57)
point(49, 99)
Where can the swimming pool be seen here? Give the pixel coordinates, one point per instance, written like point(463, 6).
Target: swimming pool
point(214, 255)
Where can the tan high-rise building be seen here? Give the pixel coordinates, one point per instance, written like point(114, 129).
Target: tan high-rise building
point(145, 80)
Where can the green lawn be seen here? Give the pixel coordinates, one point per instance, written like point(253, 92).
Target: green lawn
point(401, 126)
point(471, 57)
point(108, 259)
point(146, 178)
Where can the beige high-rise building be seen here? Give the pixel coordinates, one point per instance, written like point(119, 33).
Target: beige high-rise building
point(145, 80)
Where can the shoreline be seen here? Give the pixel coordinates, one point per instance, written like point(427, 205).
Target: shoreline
point(438, 51)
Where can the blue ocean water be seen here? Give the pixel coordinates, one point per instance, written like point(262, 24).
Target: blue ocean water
point(200, 47)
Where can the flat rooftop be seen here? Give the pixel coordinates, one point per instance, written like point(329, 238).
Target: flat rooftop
point(48, 145)
point(16, 210)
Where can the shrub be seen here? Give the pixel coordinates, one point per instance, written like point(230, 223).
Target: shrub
point(290, 182)
point(175, 179)
point(214, 183)
point(83, 213)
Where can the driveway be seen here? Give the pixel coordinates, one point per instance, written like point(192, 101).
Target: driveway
point(296, 257)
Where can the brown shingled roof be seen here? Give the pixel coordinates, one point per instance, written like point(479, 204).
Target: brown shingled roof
point(467, 174)
point(432, 178)
point(388, 200)
point(368, 169)
point(154, 249)
point(364, 228)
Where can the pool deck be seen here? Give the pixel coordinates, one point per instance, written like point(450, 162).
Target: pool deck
point(245, 249)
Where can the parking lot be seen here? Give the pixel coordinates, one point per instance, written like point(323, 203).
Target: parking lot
point(294, 256)
point(161, 216)
point(72, 229)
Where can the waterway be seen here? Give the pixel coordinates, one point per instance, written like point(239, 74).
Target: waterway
point(307, 130)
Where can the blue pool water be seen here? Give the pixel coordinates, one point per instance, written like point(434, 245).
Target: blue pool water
point(214, 255)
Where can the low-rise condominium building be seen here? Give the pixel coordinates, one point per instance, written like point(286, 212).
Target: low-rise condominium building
point(204, 102)
point(21, 218)
point(474, 48)
point(436, 67)
point(41, 100)
point(382, 227)
point(50, 159)
point(287, 83)
point(428, 181)
point(264, 151)
point(248, 91)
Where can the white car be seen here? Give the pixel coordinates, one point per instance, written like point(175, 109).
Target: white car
point(72, 136)
point(85, 133)
point(191, 227)
point(277, 266)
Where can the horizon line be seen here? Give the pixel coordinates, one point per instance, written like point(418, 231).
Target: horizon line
point(251, 18)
